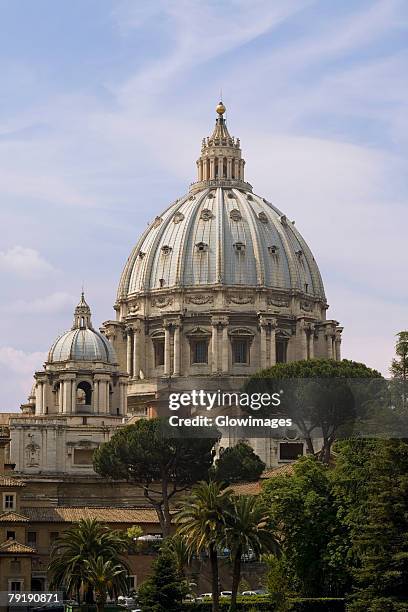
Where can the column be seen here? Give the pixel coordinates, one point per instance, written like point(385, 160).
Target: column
point(263, 356)
point(311, 341)
point(236, 168)
point(337, 344)
point(129, 352)
point(107, 398)
point(122, 409)
point(102, 396)
point(272, 356)
point(61, 397)
point(67, 396)
point(220, 167)
point(214, 346)
point(95, 396)
point(225, 347)
point(73, 396)
point(329, 346)
point(229, 167)
point(302, 339)
point(241, 172)
point(212, 170)
point(39, 398)
point(44, 397)
point(136, 353)
point(177, 336)
point(167, 349)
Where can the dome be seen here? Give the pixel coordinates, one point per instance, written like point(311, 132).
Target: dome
point(82, 342)
point(221, 233)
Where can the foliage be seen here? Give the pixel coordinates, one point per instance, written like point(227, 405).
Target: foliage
point(177, 546)
point(202, 522)
point(164, 590)
point(371, 483)
point(247, 527)
point(319, 396)
point(84, 543)
point(399, 365)
point(277, 583)
point(265, 604)
point(160, 461)
point(105, 577)
point(313, 540)
point(238, 463)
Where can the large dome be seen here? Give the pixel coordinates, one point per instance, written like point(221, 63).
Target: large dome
point(82, 342)
point(222, 235)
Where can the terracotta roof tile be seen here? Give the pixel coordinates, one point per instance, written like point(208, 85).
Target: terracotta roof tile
point(6, 481)
point(13, 517)
point(13, 547)
point(69, 514)
point(246, 488)
point(283, 470)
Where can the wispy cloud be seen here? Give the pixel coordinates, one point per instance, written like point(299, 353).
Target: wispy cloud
point(24, 262)
point(50, 304)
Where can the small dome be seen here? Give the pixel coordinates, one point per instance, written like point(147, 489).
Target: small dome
point(82, 342)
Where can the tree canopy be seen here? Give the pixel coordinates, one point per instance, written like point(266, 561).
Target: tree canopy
point(161, 461)
point(238, 463)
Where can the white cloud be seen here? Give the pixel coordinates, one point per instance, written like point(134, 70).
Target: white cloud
point(24, 262)
point(20, 362)
point(59, 301)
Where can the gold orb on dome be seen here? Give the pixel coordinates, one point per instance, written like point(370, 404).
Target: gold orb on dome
point(220, 108)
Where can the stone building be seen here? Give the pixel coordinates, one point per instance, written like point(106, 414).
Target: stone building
point(220, 285)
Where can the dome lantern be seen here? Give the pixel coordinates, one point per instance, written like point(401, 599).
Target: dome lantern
point(82, 315)
point(220, 162)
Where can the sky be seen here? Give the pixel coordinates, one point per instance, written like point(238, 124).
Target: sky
point(103, 106)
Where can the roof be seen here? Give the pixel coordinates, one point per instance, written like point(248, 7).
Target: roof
point(69, 514)
point(283, 470)
point(254, 488)
point(222, 236)
point(6, 481)
point(247, 488)
point(13, 517)
point(13, 547)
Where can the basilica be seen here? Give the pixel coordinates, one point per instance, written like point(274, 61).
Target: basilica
point(220, 285)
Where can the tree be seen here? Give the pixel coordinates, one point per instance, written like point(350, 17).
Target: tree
point(176, 545)
point(84, 542)
point(164, 590)
point(319, 396)
point(399, 371)
point(247, 527)
point(159, 459)
point(370, 481)
point(105, 577)
point(202, 521)
point(313, 540)
point(238, 463)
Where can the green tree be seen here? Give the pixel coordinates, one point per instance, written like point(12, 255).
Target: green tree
point(247, 527)
point(371, 484)
point(313, 540)
point(177, 546)
point(399, 365)
point(320, 396)
point(238, 463)
point(277, 583)
point(159, 459)
point(202, 522)
point(105, 577)
point(164, 590)
point(84, 542)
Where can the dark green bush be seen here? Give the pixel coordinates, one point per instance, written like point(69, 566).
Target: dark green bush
point(263, 604)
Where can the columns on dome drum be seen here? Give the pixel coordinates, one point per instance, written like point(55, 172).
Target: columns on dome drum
point(219, 354)
point(267, 327)
point(129, 351)
point(177, 349)
point(337, 343)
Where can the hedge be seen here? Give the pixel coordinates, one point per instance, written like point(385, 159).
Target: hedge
point(263, 604)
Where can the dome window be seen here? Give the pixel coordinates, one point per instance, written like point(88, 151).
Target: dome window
point(235, 215)
point(166, 249)
point(249, 197)
point(211, 196)
point(202, 247)
point(162, 282)
point(206, 214)
point(299, 253)
point(178, 217)
point(263, 217)
point(284, 220)
point(239, 247)
point(231, 195)
point(157, 221)
point(273, 249)
point(141, 254)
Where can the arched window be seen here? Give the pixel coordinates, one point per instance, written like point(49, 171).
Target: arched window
point(84, 394)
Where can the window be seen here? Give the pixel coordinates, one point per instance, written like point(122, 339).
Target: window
point(83, 456)
point(289, 451)
point(32, 538)
point(15, 586)
point(15, 566)
point(240, 350)
point(9, 501)
point(54, 535)
point(199, 351)
point(11, 535)
point(158, 353)
point(281, 351)
point(132, 582)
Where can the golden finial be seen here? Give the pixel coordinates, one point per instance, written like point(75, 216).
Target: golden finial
point(220, 108)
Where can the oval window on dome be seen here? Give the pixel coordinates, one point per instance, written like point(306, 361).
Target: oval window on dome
point(206, 214)
point(178, 217)
point(235, 215)
point(263, 217)
point(166, 249)
point(239, 247)
point(202, 247)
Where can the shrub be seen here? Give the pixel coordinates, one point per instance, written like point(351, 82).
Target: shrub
point(264, 604)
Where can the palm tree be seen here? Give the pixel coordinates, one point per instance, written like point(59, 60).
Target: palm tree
point(86, 540)
point(105, 577)
point(177, 546)
point(247, 527)
point(201, 522)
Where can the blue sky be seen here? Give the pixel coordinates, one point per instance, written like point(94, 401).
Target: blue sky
point(102, 109)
